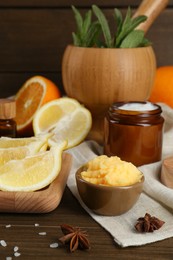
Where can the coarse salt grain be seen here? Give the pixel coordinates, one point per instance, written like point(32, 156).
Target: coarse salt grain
point(42, 233)
point(3, 243)
point(16, 248)
point(8, 258)
point(8, 226)
point(36, 225)
point(54, 245)
point(16, 254)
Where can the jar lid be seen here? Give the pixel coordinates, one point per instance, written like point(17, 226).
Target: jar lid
point(7, 108)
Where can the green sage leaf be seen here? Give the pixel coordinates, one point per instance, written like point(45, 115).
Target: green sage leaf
point(133, 24)
point(137, 20)
point(119, 19)
point(78, 18)
point(76, 39)
point(86, 23)
point(104, 25)
point(133, 39)
point(145, 43)
point(125, 25)
point(92, 35)
point(127, 20)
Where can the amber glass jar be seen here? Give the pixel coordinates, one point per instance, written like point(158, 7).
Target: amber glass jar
point(7, 115)
point(133, 131)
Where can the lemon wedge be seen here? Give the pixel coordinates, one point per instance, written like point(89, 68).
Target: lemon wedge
point(18, 148)
point(7, 142)
point(33, 172)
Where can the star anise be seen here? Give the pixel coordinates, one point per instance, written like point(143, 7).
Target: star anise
point(75, 237)
point(148, 223)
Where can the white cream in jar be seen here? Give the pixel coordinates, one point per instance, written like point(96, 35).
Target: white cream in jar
point(147, 106)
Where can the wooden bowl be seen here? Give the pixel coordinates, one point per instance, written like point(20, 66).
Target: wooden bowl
point(108, 200)
point(97, 77)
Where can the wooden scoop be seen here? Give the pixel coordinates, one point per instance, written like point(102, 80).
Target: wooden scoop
point(152, 9)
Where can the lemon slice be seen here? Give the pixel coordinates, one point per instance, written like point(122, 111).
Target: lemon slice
point(33, 172)
point(18, 148)
point(66, 119)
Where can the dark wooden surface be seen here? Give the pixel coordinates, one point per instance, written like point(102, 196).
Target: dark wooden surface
point(34, 35)
point(24, 234)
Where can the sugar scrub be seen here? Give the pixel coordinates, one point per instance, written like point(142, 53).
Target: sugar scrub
point(111, 171)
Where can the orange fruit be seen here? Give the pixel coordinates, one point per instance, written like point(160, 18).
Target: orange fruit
point(35, 92)
point(163, 86)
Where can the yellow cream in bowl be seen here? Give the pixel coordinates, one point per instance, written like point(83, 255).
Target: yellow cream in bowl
point(111, 171)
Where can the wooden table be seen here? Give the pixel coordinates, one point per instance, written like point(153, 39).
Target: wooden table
point(24, 234)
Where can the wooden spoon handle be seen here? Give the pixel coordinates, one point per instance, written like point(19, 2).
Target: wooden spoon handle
point(150, 8)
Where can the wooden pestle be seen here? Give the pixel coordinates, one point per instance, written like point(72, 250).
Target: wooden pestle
point(150, 8)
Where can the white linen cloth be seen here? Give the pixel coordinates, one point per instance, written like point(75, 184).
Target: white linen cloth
point(156, 199)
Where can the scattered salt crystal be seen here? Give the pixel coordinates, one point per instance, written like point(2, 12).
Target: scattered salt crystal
point(16, 254)
point(8, 226)
point(36, 225)
point(42, 233)
point(54, 245)
point(3, 243)
point(8, 258)
point(16, 248)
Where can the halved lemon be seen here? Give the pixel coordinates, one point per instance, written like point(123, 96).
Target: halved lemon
point(33, 172)
point(66, 119)
point(47, 117)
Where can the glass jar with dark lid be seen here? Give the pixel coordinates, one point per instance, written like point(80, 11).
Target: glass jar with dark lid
point(133, 131)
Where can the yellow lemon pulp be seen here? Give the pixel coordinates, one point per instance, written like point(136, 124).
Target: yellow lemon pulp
point(32, 172)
